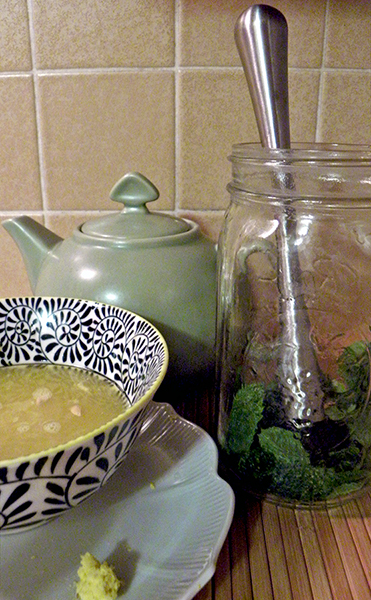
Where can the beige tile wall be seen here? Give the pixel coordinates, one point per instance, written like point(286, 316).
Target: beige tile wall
point(91, 89)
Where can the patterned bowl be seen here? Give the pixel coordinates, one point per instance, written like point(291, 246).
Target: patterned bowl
point(108, 340)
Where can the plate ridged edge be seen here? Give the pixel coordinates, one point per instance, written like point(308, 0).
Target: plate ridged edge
point(163, 425)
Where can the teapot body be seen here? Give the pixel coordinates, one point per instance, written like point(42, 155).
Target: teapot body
point(171, 284)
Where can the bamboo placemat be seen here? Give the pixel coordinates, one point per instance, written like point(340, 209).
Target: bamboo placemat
point(277, 553)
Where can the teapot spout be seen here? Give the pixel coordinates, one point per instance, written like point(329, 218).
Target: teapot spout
point(34, 241)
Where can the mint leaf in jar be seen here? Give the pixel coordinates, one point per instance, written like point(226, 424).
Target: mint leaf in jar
point(247, 411)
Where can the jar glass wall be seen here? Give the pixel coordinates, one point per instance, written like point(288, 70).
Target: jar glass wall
point(294, 322)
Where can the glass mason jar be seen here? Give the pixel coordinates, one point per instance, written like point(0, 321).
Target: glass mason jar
point(294, 323)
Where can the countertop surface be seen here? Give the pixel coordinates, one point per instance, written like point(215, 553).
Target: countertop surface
point(278, 553)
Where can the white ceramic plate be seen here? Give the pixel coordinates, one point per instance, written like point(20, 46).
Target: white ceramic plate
point(161, 521)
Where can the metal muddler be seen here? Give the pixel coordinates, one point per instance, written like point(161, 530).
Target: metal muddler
point(262, 41)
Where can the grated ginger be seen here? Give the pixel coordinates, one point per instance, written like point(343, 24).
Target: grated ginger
point(97, 580)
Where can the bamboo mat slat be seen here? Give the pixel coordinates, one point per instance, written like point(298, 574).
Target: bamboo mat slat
point(364, 505)
point(360, 537)
point(240, 567)
point(258, 559)
point(331, 556)
point(223, 587)
point(276, 552)
point(313, 557)
point(295, 560)
point(349, 555)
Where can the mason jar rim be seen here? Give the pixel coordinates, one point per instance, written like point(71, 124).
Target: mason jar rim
point(317, 152)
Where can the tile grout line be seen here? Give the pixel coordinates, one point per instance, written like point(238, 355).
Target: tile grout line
point(37, 106)
point(186, 68)
point(176, 103)
point(78, 211)
point(321, 76)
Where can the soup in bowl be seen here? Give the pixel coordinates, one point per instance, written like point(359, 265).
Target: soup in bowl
point(76, 377)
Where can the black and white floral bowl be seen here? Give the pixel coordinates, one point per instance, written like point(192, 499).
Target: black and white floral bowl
point(108, 340)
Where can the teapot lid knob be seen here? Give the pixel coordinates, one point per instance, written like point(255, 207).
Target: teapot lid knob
point(134, 224)
point(134, 190)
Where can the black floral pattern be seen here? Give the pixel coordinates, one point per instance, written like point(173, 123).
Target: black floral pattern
point(107, 339)
point(21, 327)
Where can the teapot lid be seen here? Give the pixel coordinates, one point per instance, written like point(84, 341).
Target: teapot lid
point(135, 221)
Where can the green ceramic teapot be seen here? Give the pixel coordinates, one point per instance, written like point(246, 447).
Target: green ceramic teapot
point(156, 265)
